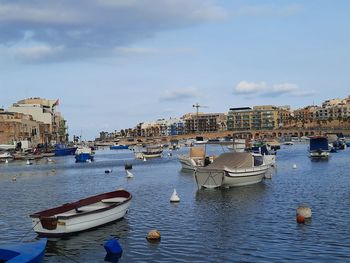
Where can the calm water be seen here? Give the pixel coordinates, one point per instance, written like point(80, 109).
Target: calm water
point(246, 224)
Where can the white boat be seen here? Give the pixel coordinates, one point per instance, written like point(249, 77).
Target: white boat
point(195, 158)
point(5, 156)
point(150, 151)
point(81, 215)
point(232, 169)
point(7, 146)
point(238, 145)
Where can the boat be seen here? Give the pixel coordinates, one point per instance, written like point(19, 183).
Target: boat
point(200, 140)
point(269, 155)
point(118, 147)
point(82, 215)
point(149, 151)
point(63, 150)
point(22, 252)
point(232, 169)
point(5, 156)
point(196, 158)
point(319, 147)
point(7, 147)
point(238, 145)
point(83, 154)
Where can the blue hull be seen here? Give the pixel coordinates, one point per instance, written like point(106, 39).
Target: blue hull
point(83, 157)
point(31, 252)
point(65, 151)
point(118, 147)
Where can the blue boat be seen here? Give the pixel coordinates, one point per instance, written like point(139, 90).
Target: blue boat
point(26, 252)
point(319, 147)
point(118, 147)
point(63, 150)
point(83, 155)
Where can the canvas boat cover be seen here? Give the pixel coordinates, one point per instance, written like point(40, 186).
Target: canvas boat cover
point(319, 143)
point(197, 152)
point(231, 161)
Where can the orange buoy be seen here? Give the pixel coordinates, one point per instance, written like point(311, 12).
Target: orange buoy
point(153, 236)
point(300, 219)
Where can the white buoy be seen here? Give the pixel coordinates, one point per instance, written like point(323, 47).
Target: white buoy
point(294, 166)
point(174, 197)
point(6, 161)
point(28, 162)
point(144, 159)
point(129, 174)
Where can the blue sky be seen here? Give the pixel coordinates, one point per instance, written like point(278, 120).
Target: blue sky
point(116, 63)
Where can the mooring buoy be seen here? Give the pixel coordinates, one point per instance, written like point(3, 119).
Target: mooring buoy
point(303, 213)
point(129, 174)
point(153, 236)
point(174, 197)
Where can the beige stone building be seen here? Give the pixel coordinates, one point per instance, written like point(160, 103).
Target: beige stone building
point(15, 127)
point(43, 111)
point(204, 122)
point(265, 117)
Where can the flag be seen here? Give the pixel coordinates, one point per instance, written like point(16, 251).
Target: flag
point(57, 102)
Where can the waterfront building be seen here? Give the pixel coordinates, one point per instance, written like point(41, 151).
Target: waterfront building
point(204, 122)
point(265, 117)
point(43, 110)
point(19, 127)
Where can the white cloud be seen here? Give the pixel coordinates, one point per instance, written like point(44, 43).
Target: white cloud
point(37, 53)
point(180, 94)
point(264, 90)
point(245, 87)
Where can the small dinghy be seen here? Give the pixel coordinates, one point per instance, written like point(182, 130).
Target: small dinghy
point(32, 251)
point(81, 215)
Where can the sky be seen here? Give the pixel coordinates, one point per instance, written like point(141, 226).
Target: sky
point(116, 63)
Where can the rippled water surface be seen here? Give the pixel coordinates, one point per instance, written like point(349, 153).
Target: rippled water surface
point(246, 224)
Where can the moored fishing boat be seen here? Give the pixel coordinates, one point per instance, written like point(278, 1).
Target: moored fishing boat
point(319, 147)
point(83, 154)
point(22, 252)
point(5, 156)
point(81, 215)
point(232, 169)
point(196, 158)
point(149, 151)
point(63, 150)
point(118, 147)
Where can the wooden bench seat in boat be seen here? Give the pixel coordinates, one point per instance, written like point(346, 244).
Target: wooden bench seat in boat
point(114, 200)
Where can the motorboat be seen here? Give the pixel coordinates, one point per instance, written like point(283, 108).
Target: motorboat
point(118, 147)
point(5, 156)
point(31, 251)
point(232, 169)
point(149, 151)
point(63, 150)
point(83, 154)
point(196, 158)
point(319, 147)
point(81, 215)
